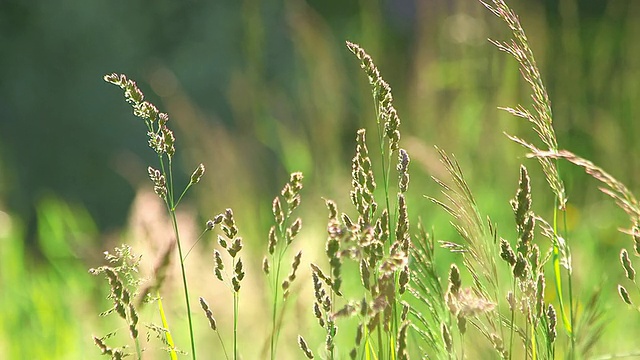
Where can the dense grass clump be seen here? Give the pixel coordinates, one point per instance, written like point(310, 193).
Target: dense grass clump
point(383, 288)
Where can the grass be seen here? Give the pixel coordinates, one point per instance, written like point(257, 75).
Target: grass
point(384, 287)
point(495, 301)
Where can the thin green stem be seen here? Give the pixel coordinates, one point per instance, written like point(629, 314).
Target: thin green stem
point(276, 280)
point(138, 350)
point(568, 323)
point(184, 282)
point(462, 346)
point(236, 299)
point(275, 309)
point(224, 349)
point(182, 195)
point(569, 284)
point(170, 188)
point(194, 244)
point(169, 200)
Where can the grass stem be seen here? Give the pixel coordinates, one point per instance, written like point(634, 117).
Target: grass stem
point(184, 283)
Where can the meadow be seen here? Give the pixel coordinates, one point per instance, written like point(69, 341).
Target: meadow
point(456, 216)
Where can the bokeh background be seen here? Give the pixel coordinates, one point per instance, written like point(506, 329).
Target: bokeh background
point(258, 89)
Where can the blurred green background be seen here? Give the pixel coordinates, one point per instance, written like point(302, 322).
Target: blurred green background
point(257, 89)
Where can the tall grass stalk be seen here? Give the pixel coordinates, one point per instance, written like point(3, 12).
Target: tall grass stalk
point(162, 141)
point(388, 135)
point(542, 122)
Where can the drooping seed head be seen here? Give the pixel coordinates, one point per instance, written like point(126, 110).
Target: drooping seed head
point(209, 314)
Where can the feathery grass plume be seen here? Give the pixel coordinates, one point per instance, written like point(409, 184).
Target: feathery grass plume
point(590, 325)
point(280, 237)
point(479, 249)
point(623, 197)
point(430, 309)
point(124, 265)
point(542, 122)
point(541, 118)
point(162, 141)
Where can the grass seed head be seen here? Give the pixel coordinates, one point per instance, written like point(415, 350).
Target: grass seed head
point(403, 170)
point(365, 274)
point(235, 247)
point(205, 307)
point(273, 240)
point(276, 208)
point(359, 333)
point(197, 174)
point(133, 322)
point(624, 294)
point(265, 265)
point(403, 280)
point(235, 283)
point(630, 272)
point(294, 229)
point(304, 347)
point(552, 321)
point(498, 345)
point(401, 348)
point(239, 270)
point(506, 252)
